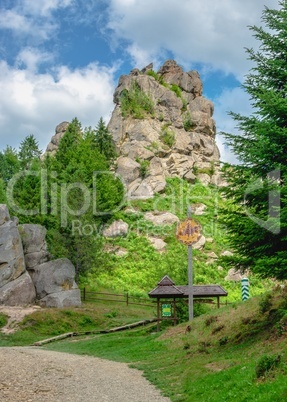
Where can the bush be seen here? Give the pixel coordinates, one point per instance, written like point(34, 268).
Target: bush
point(167, 137)
point(187, 122)
point(265, 303)
point(266, 364)
point(136, 102)
point(144, 167)
point(3, 320)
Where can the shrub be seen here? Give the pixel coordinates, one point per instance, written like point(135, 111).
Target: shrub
point(176, 89)
point(187, 122)
point(167, 137)
point(210, 320)
point(265, 303)
point(144, 167)
point(136, 102)
point(153, 74)
point(266, 364)
point(3, 320)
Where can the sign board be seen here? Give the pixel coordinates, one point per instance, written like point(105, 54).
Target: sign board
point(166, 310)
point(188, 232)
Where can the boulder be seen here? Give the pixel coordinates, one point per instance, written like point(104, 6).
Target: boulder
point(69, 298)
point(53, 277)
point(34, 244)
point(199, 244)
point(12, 264)
point(157, 243)
point(4, 214)
point(161, 218)
point(234, 275)
point(128, 169)
point(18, 292)
point(116, 229)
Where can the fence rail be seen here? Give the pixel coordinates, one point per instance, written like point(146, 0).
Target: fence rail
point(88, 295)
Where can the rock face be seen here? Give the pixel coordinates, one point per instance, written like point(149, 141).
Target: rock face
point(19, 292)
point(175, 138)
point(55, 140)
point(26, 275)
point(34, 244)
point(12, 263)
point(54, 281)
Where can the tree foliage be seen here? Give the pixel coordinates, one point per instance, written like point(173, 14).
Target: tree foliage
point(72, 193)
point(257, 191)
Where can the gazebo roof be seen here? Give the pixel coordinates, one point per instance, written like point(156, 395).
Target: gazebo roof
point(166, 288)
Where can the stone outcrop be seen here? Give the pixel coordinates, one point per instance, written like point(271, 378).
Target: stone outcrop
point(12, 264)
point(53, 281)
point(176, 139)
point(55, 140)
point(116, 229)
point(26, 275)
point(18, 292)
point(34, 244)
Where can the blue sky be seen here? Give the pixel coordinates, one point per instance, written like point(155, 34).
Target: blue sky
point(61, 59)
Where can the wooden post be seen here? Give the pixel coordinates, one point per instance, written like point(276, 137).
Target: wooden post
point(84, 295)
point(127, 298)
point(174, 311)
point(218, 302)
point(158, 315)
point(190, 276)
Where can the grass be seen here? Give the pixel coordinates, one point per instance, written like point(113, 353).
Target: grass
point(235, 353)
point(46, 323)
point(196, 366)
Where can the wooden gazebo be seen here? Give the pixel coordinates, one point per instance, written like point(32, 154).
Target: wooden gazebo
point(167, 290)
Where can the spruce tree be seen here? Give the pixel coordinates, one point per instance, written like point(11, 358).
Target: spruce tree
point(256, 217)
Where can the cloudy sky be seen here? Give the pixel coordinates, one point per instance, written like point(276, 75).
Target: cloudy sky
point(61, 59)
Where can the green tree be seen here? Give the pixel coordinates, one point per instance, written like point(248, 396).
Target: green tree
point(29, 150)
point(9, 163)
point(87, 195)
point(104, 141)
point(256, 217)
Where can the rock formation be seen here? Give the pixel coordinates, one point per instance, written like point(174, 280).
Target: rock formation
point(26, 274)
point(175, 136)
point(55, 140)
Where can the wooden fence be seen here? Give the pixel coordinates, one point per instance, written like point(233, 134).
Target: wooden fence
point(126, 298)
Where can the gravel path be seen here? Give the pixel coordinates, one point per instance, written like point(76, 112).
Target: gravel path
point(31, 374)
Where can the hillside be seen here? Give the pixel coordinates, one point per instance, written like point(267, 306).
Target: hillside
point(138, 260)
point(235, 353)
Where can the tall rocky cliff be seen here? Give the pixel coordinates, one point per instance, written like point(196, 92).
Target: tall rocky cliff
point(174, 135)
point(162, 127)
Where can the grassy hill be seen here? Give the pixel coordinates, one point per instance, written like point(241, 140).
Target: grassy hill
point(142, 266)
point(236, 353)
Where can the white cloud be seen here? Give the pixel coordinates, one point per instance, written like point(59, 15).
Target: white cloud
point(214, 33)
point(34, 103)
point(231, 100)
point(32, 58)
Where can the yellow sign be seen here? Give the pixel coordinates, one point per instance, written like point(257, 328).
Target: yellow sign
point(188, 232)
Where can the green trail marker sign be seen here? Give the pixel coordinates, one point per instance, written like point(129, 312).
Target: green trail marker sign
point(245, 288)
point(166, 310)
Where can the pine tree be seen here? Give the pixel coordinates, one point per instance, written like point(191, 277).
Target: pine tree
point(257, 214)
point(29, 150)
point(104, 141)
